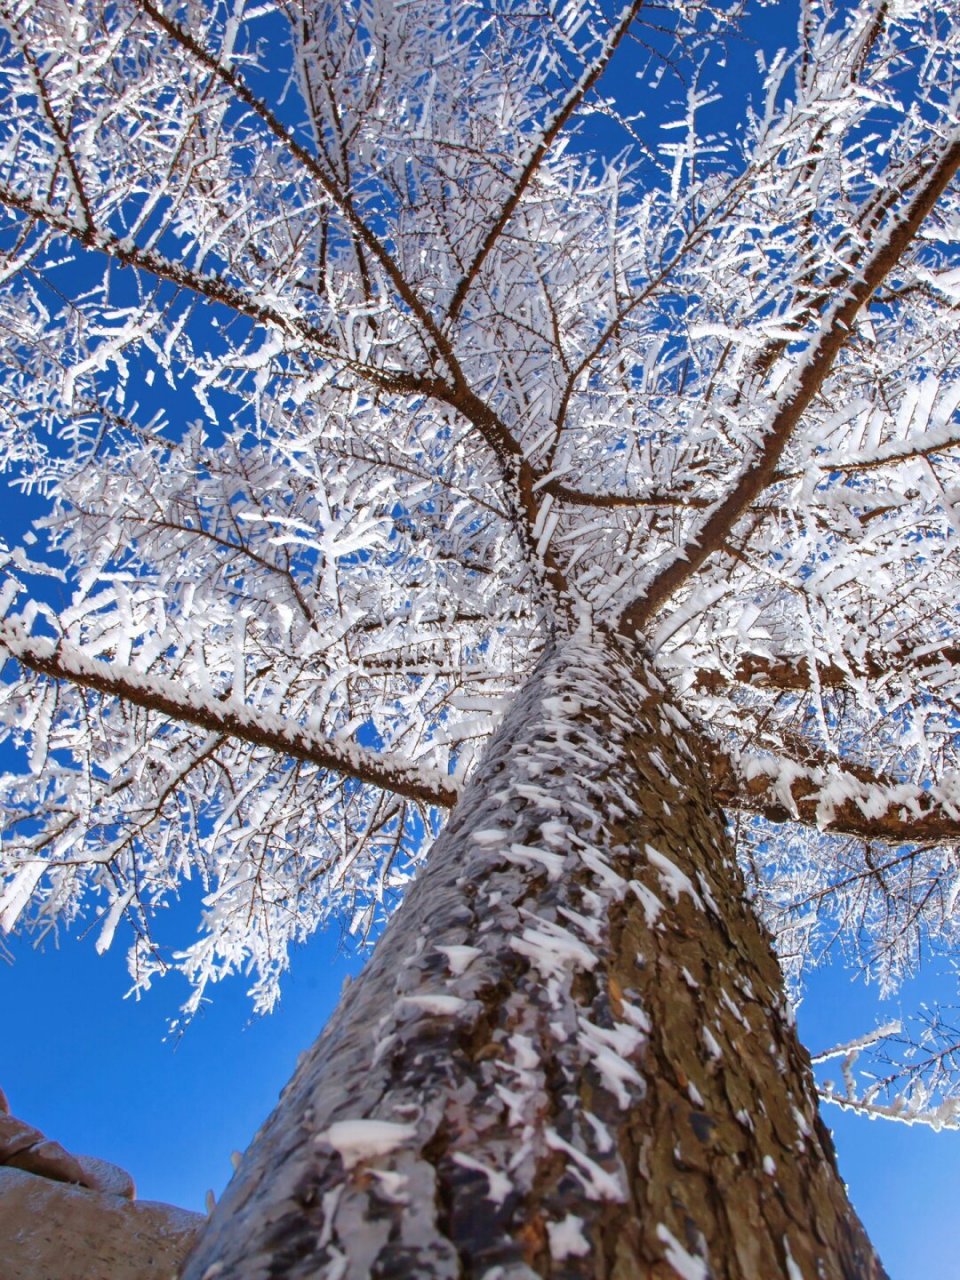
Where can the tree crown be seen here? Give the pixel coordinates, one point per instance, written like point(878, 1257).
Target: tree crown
point(359, 347)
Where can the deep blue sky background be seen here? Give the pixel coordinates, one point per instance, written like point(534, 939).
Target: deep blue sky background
point(96, 1072)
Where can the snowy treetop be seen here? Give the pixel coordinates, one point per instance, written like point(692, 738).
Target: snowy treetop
point(350, 350)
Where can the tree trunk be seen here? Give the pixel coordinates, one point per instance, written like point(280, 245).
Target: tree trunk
point(570, 1054)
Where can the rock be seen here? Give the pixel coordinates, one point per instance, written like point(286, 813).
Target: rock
point(4, 1104)
point(101, 1175)
point(24, 1147)
point(15, 1135)
point(48, 1159)
point(54, 1231)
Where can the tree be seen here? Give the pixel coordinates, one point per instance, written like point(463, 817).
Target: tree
point(390, 377)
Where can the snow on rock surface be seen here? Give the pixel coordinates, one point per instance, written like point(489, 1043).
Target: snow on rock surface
point(55, 1231)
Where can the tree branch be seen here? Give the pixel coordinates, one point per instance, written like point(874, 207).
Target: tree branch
point(517, 474)
point(618, 501)
point(794, 673)
point(328, 183)
point(261, 729)
point(215, 289)
point(535, 159)
point(840, 797)
point(800, 390)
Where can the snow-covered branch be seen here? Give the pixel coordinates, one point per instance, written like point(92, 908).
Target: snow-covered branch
point(353, 351)
point(248, 724)
point(840, 797)
point(760, 670)
point(798, 391)
point(944, 1115)
point(909, 1074)
point(538, 151)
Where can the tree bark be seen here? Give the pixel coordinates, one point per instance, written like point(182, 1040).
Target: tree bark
point(573, 1034)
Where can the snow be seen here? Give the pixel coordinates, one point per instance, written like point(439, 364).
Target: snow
point(635, 1016)
point(525, 1057)
point(891, 1028)
point(686, 1265)
point(527, 855)
point(199, 706)
point(489, 835)
point(435, 1002)
point(608, 1049)
point(18, 891)
point(499, 1185)
point(590, 928)
point(673, 880)
point(713, 1048)
point(293, 598)
point(652, 906)
point(362, 1139)
point(112, 919)
point(793, 1271)
point(393, 1184)
point(553, 949)
point(370, 547)
point(801, 1122)
point(596, 1181)
point(567, 1239)
point(733, 1008)
point(459, 958)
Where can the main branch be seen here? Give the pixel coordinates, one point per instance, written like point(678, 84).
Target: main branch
point(839, 797)
point(261, 729)
point(800, 390)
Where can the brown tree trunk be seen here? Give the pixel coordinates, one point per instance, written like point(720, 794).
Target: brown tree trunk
point(573, 1036)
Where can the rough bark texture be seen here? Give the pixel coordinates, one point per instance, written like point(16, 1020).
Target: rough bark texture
point(574, 1033)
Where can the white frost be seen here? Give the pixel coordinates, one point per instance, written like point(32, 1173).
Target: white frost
point(608, 1049)
point(567, 1239)
point(528, 854)
point(459, 958)
point(595, 1180)
point(499, 1185)
point(674, 880)
point(435, 1003)
point(686, 1265)
point(358, 1140)
point(709, 1039)
point(652, 906)
point(793, 1271)
point(553, 949)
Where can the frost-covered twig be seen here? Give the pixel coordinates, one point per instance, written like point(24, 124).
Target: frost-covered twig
point(155, 693)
